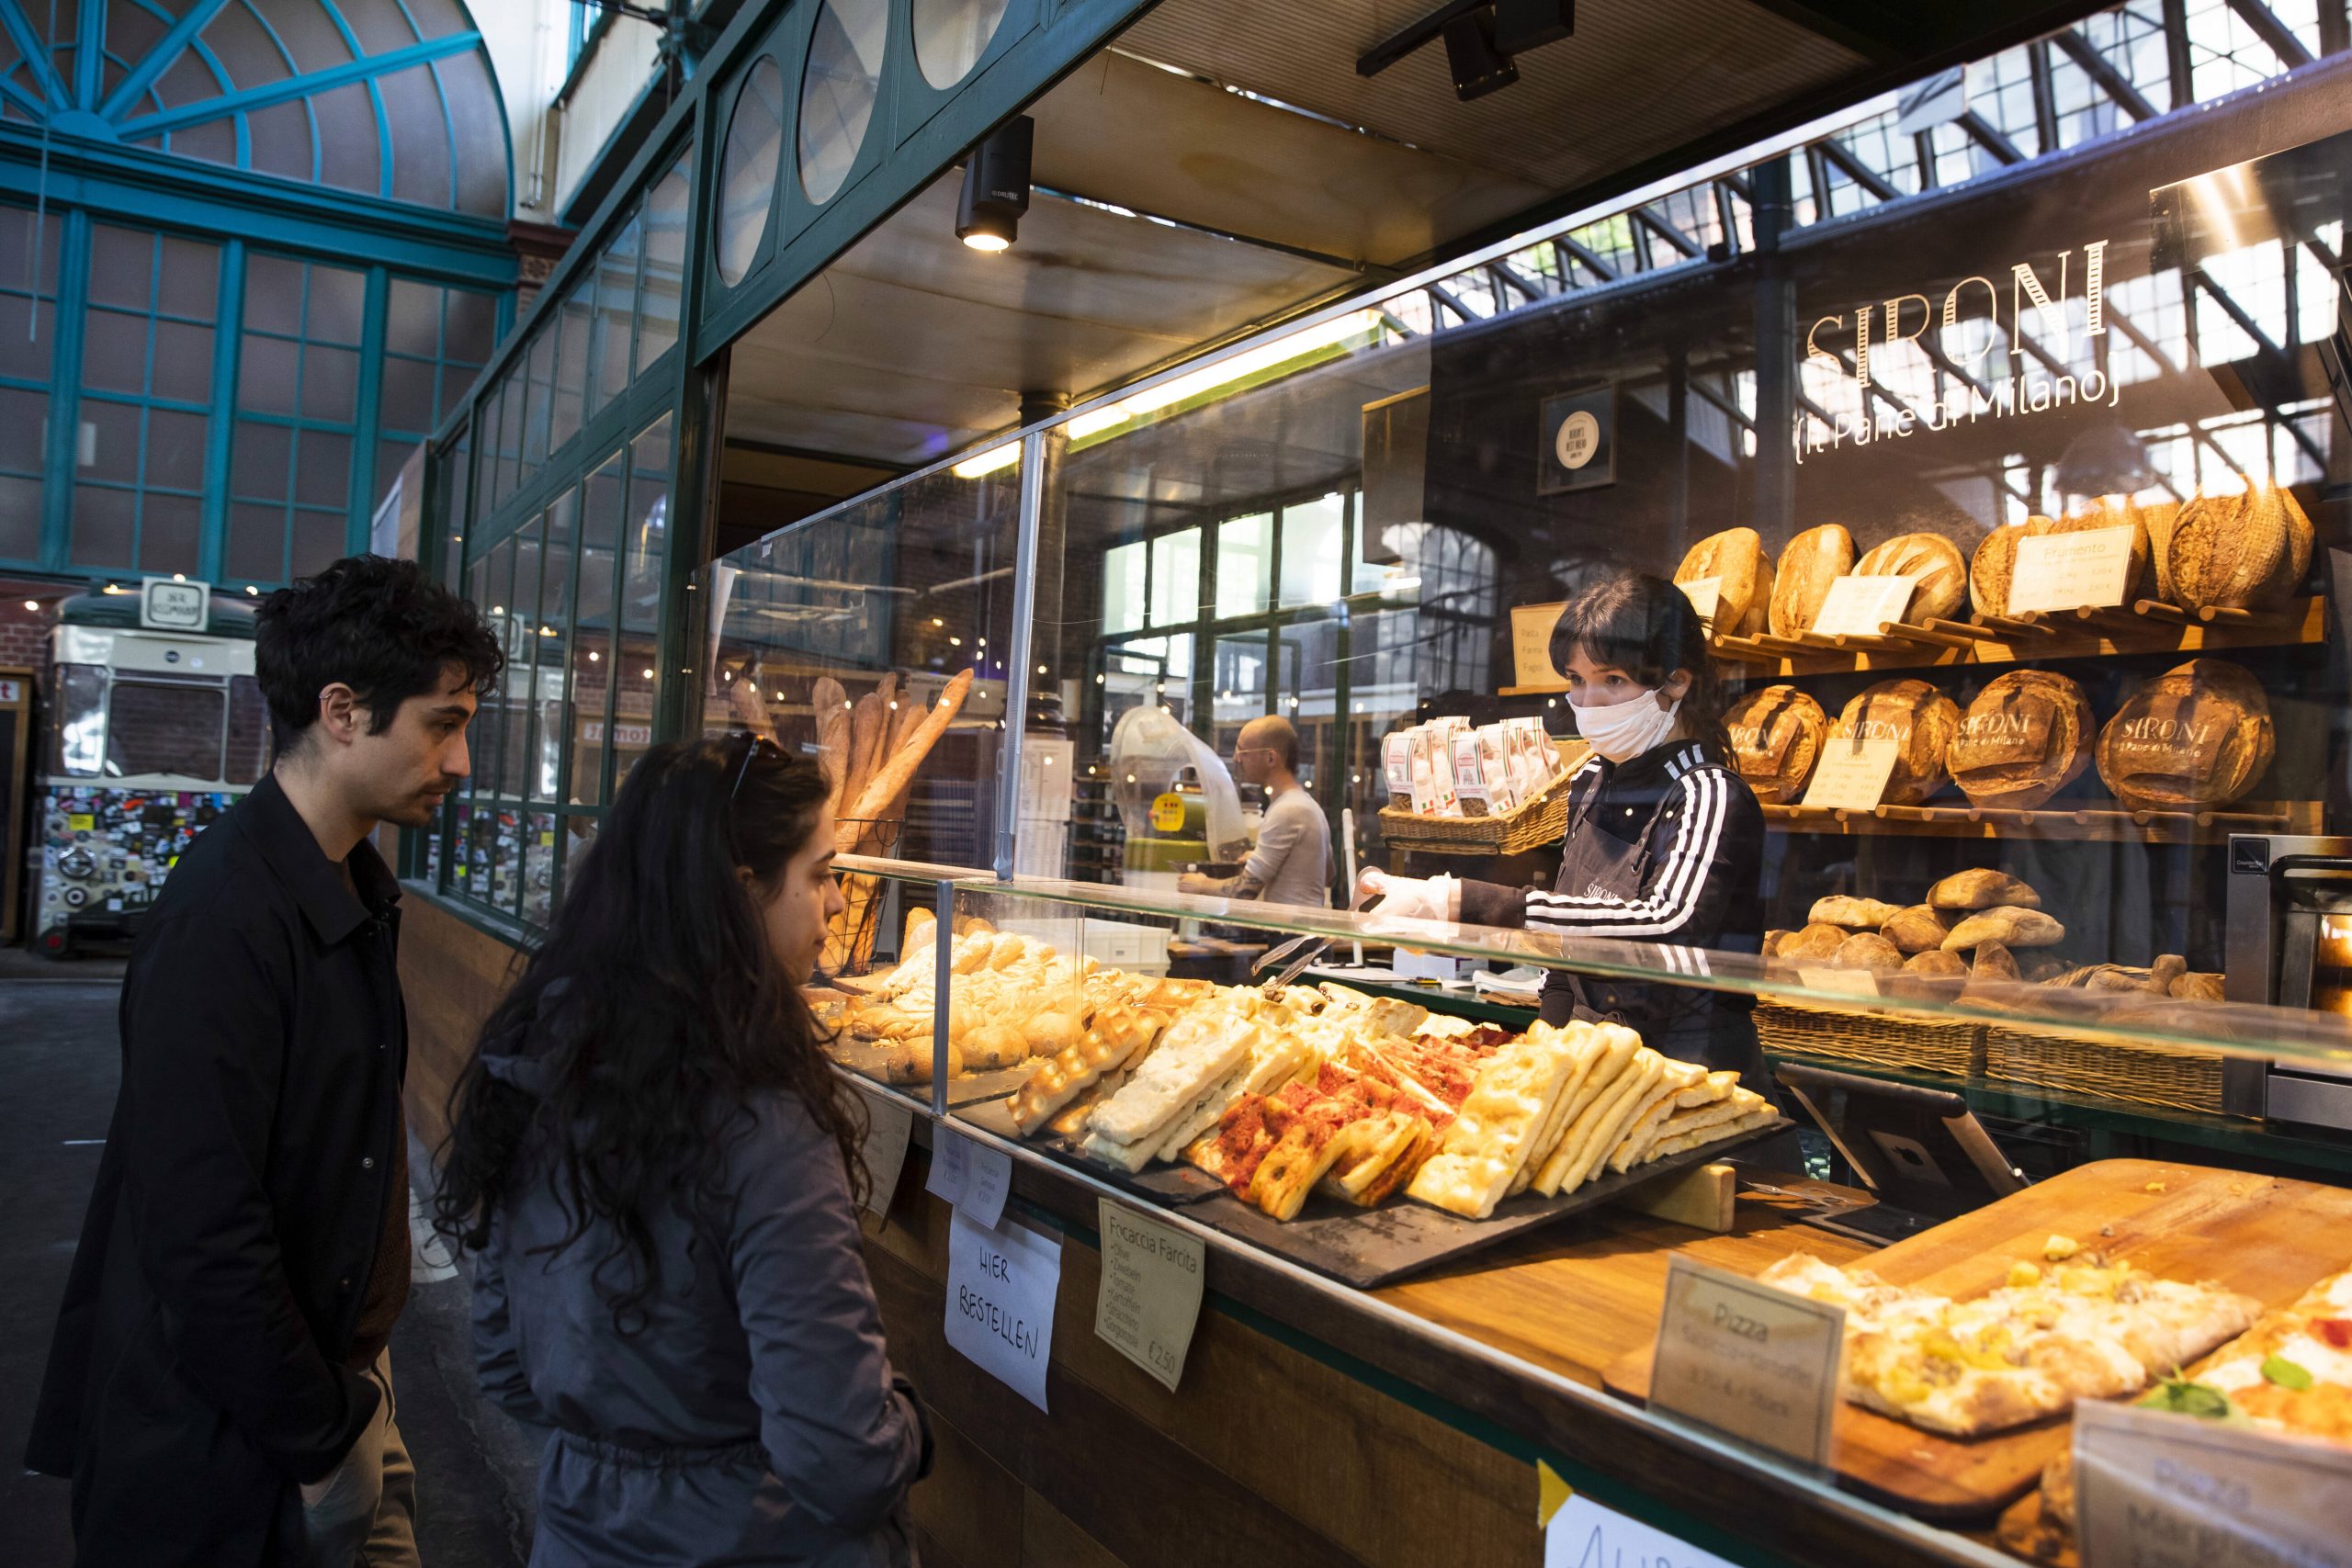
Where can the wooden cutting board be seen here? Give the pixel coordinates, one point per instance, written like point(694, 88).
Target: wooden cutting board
point(2269, 1238)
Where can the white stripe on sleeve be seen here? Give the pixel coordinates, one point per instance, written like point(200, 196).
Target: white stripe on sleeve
point(1675, 889)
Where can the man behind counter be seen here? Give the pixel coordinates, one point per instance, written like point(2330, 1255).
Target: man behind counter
point(1292, 864)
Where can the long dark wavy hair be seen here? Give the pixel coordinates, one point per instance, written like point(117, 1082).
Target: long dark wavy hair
point(1644, 626)
point(655, 1009)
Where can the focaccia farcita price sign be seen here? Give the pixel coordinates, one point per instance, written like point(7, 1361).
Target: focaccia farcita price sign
point(1750, 1362)
point(1150, 1295)
point(2153, 1489)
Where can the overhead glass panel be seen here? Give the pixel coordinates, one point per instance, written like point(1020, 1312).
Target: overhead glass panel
point(952, 34)
point(747, 179)
point(837, 94)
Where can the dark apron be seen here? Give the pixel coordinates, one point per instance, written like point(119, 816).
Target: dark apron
point(1687, 1024)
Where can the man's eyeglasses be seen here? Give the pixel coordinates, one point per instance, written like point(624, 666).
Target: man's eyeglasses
point(754, 745)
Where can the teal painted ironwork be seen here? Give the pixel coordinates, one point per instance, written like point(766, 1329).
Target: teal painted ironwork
point(302, 87)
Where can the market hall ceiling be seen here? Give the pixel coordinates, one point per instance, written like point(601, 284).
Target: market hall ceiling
point(1279, 177)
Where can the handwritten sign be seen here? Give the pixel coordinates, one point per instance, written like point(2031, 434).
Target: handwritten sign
point(1851, 774)
point(2158, 1490)
point(1756, 1363)
point(889, 1125)
point(1000, 1286)
point(972, 1178)
point(1857, 606)
point(1583, 1534)
point(1150, 1296)
point(1531, 644)
point(1851, 982)
point(1706, 596)
point(2064, 571)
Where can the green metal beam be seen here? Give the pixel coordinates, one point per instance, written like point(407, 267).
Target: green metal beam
point(301, 86)
point(36, 54)
point(158, 59)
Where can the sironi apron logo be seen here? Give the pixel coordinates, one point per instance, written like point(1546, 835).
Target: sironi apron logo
point(2038, 304)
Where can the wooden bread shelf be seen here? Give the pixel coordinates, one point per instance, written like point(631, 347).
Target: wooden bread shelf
point(2148, 625)
point(2102, 822)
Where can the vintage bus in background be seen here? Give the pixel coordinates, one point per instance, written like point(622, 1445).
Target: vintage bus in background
point(152, 735)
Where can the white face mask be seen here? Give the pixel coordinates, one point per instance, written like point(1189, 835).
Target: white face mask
point(1626, 729)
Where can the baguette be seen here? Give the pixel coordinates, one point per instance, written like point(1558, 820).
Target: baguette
point(831, 705)
point(865, 727)
point(750, 710)
point(900, 770)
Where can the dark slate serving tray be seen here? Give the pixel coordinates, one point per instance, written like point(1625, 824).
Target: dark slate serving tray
point(1170, 1184)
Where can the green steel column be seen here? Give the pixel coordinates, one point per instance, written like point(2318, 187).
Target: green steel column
point(696, 432)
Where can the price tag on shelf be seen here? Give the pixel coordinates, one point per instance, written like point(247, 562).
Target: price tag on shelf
point(1851, 774)
point(1857, 606)
point(1001, 1282)
point(1706, 596)
point(1756, 1363)
point(971, 1178)
point(1851, 982)
point(2065, 571)
point(1531, 644)
point(889, 1125)
point(2162, 1489)
point(1150, 1296)
point(1583, 1534)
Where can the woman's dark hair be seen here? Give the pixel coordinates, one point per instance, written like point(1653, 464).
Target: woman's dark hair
point(380, 626)
point(1644, 625)
point(651, 1012)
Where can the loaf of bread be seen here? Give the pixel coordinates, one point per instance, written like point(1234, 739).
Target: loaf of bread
point(1936, 963)
point(2198, 736)
point(2160, 518)
point(1919, 719)
point(2244, 551)
point(1978, 888)
point(2011, 926)
point(2198, 986)
point(1990, 574)
point(1854, 914)
point(1820, 942)
point(2027, 736)
point(1776, 736)
point(1770, 946)
point(1867, 949)
point(1736, 560)
point(1915, 929)
point(1937, 570)
point(1814, 559)
point(1993, 961)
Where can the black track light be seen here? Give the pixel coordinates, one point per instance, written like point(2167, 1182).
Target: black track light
point(1523, 25)
point(1478, 67)
point(995, 186)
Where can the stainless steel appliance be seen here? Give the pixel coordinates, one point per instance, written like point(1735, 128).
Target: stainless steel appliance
point(2288, 936)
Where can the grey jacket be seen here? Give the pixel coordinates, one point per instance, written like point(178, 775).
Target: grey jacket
point(753, 1417)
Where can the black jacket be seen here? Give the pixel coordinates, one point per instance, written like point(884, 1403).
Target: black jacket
point(1666, 847)
point(198, 1372)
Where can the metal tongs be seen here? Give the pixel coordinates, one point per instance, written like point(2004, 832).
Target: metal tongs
point(1315, 948)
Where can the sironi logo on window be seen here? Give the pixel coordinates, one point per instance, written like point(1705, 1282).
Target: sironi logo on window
point(1966, 345)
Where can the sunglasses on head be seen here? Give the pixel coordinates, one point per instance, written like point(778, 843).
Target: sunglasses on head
point(754, 745)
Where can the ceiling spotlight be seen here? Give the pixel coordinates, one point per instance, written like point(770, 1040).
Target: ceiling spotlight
point(1478, 66)
point(995, 186)
point(1523, 25)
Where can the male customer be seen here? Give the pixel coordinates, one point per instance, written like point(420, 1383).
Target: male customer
point(217, 1387)
point(1292, 864)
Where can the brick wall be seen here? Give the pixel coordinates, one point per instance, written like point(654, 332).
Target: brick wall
point(23, 634)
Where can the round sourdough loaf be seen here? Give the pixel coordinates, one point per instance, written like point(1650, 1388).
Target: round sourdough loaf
point(2238, 552)
point(1743, 574)
point(1814, 559)
point(2027, 736)
point(1991, 573)
point(2197, 735)
point(1937, 570)
point(1921, 722)
point(1775, 739)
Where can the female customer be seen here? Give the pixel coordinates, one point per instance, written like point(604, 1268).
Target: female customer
point(1665, 842)
point(656, 1173)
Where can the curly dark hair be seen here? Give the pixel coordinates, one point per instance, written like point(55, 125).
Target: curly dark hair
point(656, 1010)
point(380, 626)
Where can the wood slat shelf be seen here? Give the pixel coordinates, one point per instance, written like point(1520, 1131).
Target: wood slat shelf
point(2147, 627)
point(2105, 822)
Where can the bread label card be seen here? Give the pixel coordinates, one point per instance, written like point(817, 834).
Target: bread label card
point(1706, 595)
point(1852, 775)
point(889, 1125)
point(970, 1178)
point(2157, 1488)
point(1581, 1534)
point(1150, 1296)
point(1001, 1282)
point(1857, 606)
point(2065, 571)
point(1530, 646)
point(1752, 1362)
point(1847, 982)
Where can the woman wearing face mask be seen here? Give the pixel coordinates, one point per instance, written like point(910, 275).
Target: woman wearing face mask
point(1665, 842)
point(654, 1169)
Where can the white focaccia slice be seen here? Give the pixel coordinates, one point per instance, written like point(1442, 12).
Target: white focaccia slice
point(1714, 1133)
point(1194, 1053)
point(1489, 1137)
point(1621, 1048)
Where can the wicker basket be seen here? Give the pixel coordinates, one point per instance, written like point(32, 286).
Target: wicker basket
point(1540, 822)
point(849, 941)
point(2144, 1071)
point(1916, 1045)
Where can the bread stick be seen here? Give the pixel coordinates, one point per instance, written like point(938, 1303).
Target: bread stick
point(895, 773)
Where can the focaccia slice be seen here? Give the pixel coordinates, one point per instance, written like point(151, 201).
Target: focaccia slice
point(1194, 1054)
point(1683, 1143)
point(1383, 1161)
point(1698, 1086)
point(1489, 1140)
point(1588, 1044)
point(1594, 1133)
point(1619, 1046)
